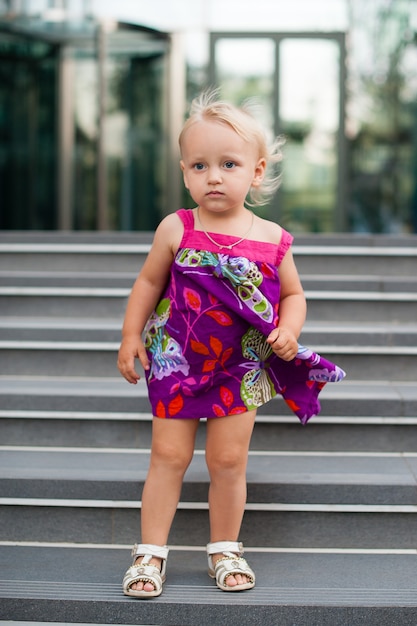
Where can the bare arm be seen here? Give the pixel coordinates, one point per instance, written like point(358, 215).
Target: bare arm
point(292, 311)
point(145, 295)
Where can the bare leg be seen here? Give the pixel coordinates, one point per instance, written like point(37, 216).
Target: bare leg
point(227, 447)
point(172, 451)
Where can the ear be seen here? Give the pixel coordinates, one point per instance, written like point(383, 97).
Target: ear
point(182, 166)
point(259, 173)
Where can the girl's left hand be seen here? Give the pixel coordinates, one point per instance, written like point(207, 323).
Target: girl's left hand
point(284, 343)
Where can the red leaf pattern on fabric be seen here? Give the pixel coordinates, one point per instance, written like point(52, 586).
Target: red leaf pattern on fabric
point(209, 365)
point(292, 404)
point(193, 300)
point(226, 355)
point(216, 345)
point(175, 405)
point(220, 317)
point(226, 396)
point(160, 410)
point(212, 299)
point(199, 347)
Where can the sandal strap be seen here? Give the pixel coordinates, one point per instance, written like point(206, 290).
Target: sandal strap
point(149, 550)
point(225, 546)
point(143, 549)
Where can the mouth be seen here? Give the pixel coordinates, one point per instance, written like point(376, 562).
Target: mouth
point(214, 194)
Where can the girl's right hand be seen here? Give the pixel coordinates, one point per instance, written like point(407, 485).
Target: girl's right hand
point(131, 349)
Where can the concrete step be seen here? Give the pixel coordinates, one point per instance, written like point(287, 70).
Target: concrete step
point(59, 237)
point(383, 399)
point(103, 302)
point(357, 306)
point(335, 333)
point(285, 477)
point(313, 255)
point(354, 282)
point(112, 279)
point(332, 333)
point(319, 240)
point(81, 495)
point(81, 346)
point(95, 302)
point(289, 526)
point(64, 256)
point(14, 328)
point(79, 358)
point(123, 430)
point(357, 260)
point(304, 587)
point(295, 525)
point(83, 278)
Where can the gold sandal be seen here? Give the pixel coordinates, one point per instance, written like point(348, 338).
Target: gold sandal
point(145, 572)
point(231, 564)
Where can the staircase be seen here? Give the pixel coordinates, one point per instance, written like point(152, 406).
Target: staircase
point(331, 519)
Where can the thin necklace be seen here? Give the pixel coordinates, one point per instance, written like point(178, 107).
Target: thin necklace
point(221, 246)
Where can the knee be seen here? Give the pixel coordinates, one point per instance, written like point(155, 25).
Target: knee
point(175, 459)
point(226, 462)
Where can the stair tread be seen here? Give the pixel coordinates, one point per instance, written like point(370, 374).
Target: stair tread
point(87, 583)
point(80, 278)
point(114, 474)
point(24, 332)
point(62, 385)
point(113, 394)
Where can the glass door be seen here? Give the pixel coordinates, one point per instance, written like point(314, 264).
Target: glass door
point(299, 80)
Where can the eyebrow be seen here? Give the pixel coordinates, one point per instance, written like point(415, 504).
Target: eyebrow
point(224, 157)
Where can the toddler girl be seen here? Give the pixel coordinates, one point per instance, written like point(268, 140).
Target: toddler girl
point(220, 305)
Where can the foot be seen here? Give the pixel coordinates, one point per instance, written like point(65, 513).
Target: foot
point(231, 581)
point(145, 578)
point(141, 586)
point(228, 567)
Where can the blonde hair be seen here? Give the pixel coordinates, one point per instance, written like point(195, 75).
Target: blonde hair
point(207, 106)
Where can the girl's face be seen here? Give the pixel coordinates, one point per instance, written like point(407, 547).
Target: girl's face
point(219, 166)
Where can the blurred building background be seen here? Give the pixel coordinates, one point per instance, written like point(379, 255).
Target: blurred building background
point(93, 95)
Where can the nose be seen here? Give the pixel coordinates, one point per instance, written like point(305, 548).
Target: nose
point(214, 175)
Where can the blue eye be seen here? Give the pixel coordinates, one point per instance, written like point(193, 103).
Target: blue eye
point(229, 165)
point(199, 166)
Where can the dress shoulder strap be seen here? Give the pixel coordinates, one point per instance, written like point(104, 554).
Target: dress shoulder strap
point(187, 218)
point(284, 245)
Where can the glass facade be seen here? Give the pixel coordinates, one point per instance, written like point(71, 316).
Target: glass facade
point(28, 133)
point(127, 134)
point(382, 117)
point(81, 126)
point(90, 109)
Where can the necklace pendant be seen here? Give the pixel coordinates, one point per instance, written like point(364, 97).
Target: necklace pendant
point(223, 246)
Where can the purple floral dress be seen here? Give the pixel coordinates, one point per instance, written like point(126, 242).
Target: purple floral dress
point(206, 339)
